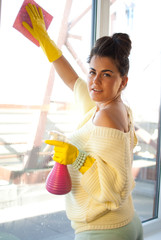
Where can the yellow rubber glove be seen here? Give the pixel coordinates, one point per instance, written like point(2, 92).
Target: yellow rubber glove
point(87, 164)
point(39, 32)
point(66, 153)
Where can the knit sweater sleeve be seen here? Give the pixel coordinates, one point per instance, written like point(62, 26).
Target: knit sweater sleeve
point(109, 181)
point(82, 97)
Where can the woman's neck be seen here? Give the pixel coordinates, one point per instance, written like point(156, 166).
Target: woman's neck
point(104, 105)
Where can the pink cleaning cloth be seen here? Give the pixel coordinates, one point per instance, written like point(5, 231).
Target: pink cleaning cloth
point(23, 16)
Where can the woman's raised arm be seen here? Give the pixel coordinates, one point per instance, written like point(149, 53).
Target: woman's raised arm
point(65, 71)
point(53, 53)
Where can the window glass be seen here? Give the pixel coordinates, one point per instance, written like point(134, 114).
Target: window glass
point(138, 18)
point(34, 102)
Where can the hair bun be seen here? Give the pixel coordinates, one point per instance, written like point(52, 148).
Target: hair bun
point(122, 43)
point(117, 47)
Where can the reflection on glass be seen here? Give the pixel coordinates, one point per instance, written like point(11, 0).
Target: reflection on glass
point(142, 94)
point(33, 102)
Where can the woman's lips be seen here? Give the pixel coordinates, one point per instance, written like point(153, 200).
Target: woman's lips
point(96, 90)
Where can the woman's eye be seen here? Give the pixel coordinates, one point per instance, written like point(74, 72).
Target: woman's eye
point(106, 75)
point(91, 72)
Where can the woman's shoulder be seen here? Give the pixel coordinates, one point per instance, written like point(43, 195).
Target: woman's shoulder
point(115, 117)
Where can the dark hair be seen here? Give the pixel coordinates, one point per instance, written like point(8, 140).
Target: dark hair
point(117, 47)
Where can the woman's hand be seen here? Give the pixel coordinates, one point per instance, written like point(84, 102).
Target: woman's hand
point(37, 20)
point(64, 153)
point(39, 32)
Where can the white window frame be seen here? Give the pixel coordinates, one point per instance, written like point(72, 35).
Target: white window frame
point(152, 228)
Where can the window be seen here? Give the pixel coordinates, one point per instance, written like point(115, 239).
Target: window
point(142, 73)
point(33, 102)
point(138, 18)
point(31, 105)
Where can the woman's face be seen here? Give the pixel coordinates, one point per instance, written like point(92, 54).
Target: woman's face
point(104, 80)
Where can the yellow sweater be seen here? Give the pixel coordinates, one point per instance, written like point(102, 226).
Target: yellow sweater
point(101, 198)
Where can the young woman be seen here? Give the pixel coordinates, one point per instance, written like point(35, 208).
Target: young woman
point(99, 154)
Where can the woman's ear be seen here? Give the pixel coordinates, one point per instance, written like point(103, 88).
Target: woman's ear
point(124, 81)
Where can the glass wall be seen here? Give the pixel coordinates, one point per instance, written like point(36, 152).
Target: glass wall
point(33, 103)
point(138, 18)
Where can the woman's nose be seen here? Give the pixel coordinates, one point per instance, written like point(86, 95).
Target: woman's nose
point(97, 79)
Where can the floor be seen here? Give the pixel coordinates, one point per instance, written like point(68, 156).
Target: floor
point(45, 227)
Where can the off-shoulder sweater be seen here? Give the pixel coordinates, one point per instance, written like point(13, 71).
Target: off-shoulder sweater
point(101, 198)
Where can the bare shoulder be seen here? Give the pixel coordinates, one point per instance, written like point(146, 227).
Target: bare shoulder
point(113, 117)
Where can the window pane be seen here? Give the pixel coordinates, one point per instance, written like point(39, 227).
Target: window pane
point(138, 18)
point(33, 102)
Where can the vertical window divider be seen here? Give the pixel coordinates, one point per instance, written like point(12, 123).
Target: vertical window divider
point(158, 166)
point(103, 18)
point(94, 22)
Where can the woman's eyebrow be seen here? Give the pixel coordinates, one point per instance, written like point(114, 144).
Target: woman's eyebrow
point(92, 69)
point(105, 70)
